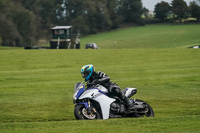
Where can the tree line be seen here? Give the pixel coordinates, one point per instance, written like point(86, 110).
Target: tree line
point(178, 9)
point(23, 22)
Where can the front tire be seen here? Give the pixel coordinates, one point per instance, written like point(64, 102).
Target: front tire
point(82, 113)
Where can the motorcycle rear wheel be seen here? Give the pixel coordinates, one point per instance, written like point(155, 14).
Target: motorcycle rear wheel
point(149, 113)
point(81, 113)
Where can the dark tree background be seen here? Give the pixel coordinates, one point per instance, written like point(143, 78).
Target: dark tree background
point(23, 22)
point(194, 9)
point(180, 9)
point(162, 10)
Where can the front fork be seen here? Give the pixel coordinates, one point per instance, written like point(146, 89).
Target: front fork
point(91, 108)
point(88, 106)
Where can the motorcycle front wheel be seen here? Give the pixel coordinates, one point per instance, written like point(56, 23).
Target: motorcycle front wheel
point(82, 113)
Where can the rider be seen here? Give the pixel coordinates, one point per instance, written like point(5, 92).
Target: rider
point(92, 77)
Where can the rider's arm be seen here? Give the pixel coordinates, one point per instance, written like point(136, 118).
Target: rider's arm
point(103, 78)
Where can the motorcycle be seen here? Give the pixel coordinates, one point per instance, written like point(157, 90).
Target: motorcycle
point(97, 103)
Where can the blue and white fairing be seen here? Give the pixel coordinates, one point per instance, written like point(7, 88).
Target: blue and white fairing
point(98, 95)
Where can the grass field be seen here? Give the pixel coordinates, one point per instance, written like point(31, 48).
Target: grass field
point(36, 88)
point(151, 36)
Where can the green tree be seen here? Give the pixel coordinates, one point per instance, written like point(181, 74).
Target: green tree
point(131, 11)
point(50, 12)
point(75, 14)
point(112, 8)
point(102, 16)
point(146, 12)
point(180, 9)
point(162, 10)
point(90, 16)
point(8, 30)
point(25, 24)
point(2, 5)
point(194, 10)
point(17, 25)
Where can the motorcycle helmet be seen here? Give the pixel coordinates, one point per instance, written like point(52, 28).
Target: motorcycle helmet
point(86, 71)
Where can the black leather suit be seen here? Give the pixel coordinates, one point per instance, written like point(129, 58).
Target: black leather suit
point(102, 79)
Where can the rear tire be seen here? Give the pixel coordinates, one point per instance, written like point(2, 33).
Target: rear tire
point(150, 112)
point(81, 113)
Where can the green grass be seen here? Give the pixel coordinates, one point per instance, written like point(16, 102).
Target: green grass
point(186, 124)
point(10, 48)
point(36, 87)
point(150, 36)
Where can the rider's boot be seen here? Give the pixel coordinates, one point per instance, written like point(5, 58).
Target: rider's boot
point(117, 91)
point(129, 104)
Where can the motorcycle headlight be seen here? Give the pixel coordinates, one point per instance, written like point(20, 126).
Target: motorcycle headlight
point(74, 97)
point(74, 100)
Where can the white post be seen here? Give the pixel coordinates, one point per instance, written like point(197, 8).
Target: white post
point(58, 44)
point(69, 45)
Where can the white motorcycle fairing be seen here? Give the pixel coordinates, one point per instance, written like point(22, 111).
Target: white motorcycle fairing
point(103, 100)
point(129, 92)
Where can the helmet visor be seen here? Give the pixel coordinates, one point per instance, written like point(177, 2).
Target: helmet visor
point(84, 75)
